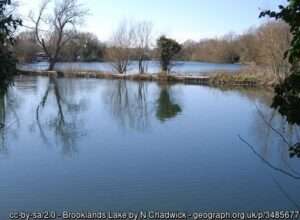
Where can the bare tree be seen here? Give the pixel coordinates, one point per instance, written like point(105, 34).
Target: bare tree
point(248, 47)
point(54, 30)
point(274, 38)
point(142, 35)
point(230, 48)
point(120, 52)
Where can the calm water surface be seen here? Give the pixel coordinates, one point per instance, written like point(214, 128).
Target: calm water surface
point(152, 67)
point(88, 144)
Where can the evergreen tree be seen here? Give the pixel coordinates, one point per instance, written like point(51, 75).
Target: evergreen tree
point(168, 48)
point(8, 25)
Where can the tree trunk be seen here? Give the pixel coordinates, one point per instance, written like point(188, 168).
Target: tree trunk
point(51, 64)
point(141, 68)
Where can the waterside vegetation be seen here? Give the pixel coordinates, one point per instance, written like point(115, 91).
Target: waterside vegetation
point(8, 26)
point(261, 48)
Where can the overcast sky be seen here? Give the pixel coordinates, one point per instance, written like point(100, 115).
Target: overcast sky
point(180, 19)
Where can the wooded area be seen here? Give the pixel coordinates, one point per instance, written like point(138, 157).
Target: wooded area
point(264, 46)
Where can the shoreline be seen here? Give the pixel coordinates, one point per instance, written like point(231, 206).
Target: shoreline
point(215, 79)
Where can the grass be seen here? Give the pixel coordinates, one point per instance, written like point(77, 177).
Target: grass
point(233, 79)
point(249, 76)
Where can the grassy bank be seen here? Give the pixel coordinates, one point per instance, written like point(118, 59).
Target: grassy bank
point(248, 76)
point(134, 77)
point(251, 76)
point(225, 79)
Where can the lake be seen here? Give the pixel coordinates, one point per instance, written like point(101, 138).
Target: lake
point(99, 145)
point(180, 67)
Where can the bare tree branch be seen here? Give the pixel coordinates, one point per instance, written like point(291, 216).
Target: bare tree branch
point(142, 35)
point(120, 52)
point(66, 15)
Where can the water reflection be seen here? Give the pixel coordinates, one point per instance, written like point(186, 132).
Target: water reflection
point(65, 122)
point(9, 119)
point(261, 95)
point(190, 153)
point(275, 129)
point(276, 135)
point(3, 148)
point(166, 107)
point(288, 134)
point(132, 106)
point(129, 104)
point(57, 109)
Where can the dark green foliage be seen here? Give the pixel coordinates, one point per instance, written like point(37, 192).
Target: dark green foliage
point(287, 98)
point(295, 150)
point(7, 68)
point(7, 24)
point(7, 60)
point(166, 108)
point(168, 48)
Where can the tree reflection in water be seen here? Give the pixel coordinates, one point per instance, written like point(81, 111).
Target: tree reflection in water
point(131, 105)
point(272, 125)
point(9, 119)
point(128, 103)
point(278, 135)
point(65, 124)
point(166, 108)
point(3, 147)
point(287, 132)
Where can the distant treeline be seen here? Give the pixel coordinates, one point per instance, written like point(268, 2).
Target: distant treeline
point(83, 47)
point(261, 46)
point(264, 45)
